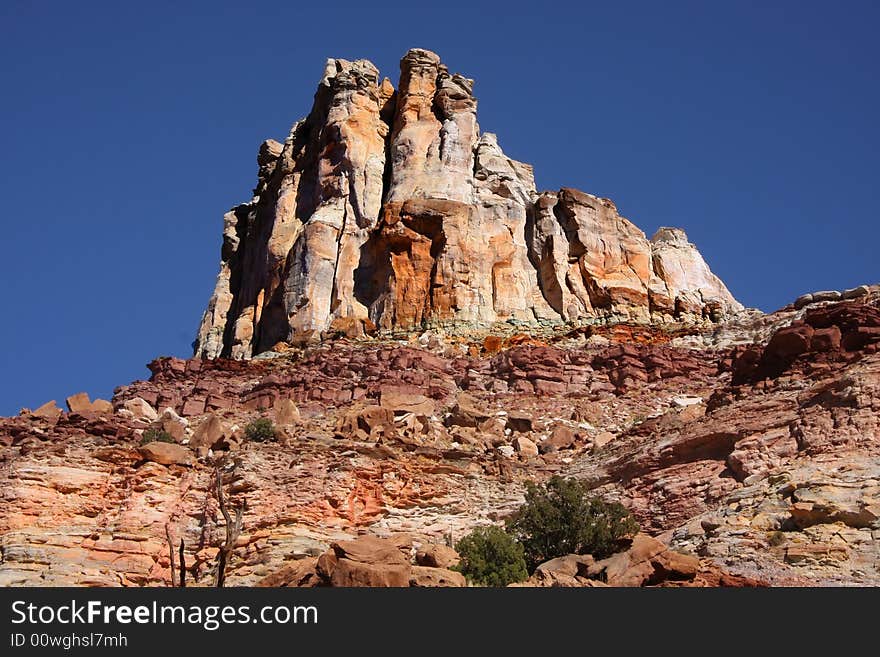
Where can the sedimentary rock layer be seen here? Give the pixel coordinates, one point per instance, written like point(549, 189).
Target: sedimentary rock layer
point(389, 210)
point(762, 458)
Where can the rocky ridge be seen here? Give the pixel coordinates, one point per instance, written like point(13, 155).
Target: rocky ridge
point(758, 462)
point(387, 210)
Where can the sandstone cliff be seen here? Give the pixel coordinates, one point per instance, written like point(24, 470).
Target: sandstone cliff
point(388, 210)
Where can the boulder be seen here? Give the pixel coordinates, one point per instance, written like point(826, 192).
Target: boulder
point(569, 571)
point(646, 561)
point(789, 342)
point(350, 327)
point(370, 549)
point(562, 437)
point(602, 438)
point(521, 422)
point(171, 423)
point(570, 564)
point(468, 412)
point(48, 411)
point(525, 447)
point(402, 402)
point(365, 561)
point(102, 406)
point(855, 292)
point(325, 565)
point(140, 409)
point(211, 433)
point(423, 576)
point(354, 573)
point(365, 422)
point(286, 412)
point(166, 453)
point(437, 556)
point(299, 573)
point(79, 403)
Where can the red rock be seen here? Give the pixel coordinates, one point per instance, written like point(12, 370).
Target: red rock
point(286, 412)
point(525, 447)
point(423, 576)
point(437, 556)
point(402, 402)
point(325, 565)
point(166, 453)
point(362, 423)
point(571, 565)
point(193, 406)
point(468, 412)
point(353, 573)
point(102, 406)
point(543, 387)
point(562, 437)
point(48, 411)
point(79, 403)
point(492, 344)
point(209, 434)
point(796, 452)
point(522, 422)
point(826, 339)
point(647, 561)
point(369, 549)
point(789, 342)
point(300, 573)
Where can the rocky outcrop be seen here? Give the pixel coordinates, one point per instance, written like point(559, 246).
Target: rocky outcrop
point(824, 335)
point(365, 561)
point(645, 562)
point(389, 210)
point(772, 476)
point(593, 262)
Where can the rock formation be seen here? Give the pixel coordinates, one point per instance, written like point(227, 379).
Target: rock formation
point(388, 210)
point(552, 338)
point(754, 448)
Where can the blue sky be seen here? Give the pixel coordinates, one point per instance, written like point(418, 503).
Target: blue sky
point(128, 130)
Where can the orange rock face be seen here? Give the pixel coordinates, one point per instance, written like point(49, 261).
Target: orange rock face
point(388, 209)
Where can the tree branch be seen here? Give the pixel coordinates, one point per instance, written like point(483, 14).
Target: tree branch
point(233, 529)
point(171, 554)
point(182, 566)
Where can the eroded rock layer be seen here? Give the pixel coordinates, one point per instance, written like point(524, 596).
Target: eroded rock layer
point(389, 210)
point(746, 459)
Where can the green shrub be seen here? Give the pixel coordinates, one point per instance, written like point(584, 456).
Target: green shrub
point(153, 435)
point(562, 518)
point(260, 430)
point(490, 556)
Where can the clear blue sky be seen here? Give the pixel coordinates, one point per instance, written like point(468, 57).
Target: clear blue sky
point(129, 128)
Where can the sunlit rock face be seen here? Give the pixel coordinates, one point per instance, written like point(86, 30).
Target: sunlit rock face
point(388, 210)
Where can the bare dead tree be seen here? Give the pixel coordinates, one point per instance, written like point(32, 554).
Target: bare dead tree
point(233, 529)
point(182, 566)
point(174, 581)
point(186, 484)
